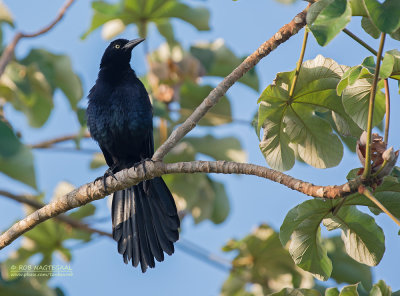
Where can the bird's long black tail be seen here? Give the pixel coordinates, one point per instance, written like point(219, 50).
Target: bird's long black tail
point(145, 222)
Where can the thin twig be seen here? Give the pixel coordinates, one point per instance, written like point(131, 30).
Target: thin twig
point(150, 169)
point(387, 117)
point(367, 166)
point(51, 142)
point(361, 42)
point(367, 193)
point(9, 51)
point(299, 63)
point(287, 31)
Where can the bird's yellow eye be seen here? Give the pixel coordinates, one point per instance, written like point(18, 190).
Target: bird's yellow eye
point(117, 46)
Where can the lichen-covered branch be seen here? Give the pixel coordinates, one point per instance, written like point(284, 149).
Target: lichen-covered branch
point(9, 51)
point(284, 33)
point(129, 177)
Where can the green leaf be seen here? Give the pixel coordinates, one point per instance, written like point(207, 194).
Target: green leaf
point(219, 60)
point(349, 290)
point(301, 224)
point(293, 120)
point(363, 238)
point(396, 65)
point(103, 12)
point(191, 97)
point(5, 14)
point(386, 66)
point(332, 292)
point(141, 13)
point(200, 195)
point(387, 194)
point(16, 159)
point(356, 101)
point(385, 16)
point(166, 30)
point(58, 72)
point(327, 18)
point(358, 8)
point(27, 90)
point(260, 259)
point(27, 286)
point(381, 289)
point(296, 292)
point(228, 148)
point(346, 269)
point(369, 27)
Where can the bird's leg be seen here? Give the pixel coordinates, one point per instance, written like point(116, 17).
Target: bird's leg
point(108, 172)
point(143, 162)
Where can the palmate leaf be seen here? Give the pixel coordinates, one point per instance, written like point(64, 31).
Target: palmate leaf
point(16, 159)
point(302, 224)
point(141, 13)
point(363, 239)
point(356, 101)
point(327, 18)
point(293, 120)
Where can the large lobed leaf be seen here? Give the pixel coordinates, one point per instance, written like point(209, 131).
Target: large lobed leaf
point(363, 239)
point(293, 120)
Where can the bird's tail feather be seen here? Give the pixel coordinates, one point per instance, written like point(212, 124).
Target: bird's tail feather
point(145, 222)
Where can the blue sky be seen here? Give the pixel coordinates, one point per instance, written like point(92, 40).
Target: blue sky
point(98, 268)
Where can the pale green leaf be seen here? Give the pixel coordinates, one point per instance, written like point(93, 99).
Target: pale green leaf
point(363, 238)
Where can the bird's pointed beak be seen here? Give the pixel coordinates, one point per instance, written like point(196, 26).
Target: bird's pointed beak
point(131, 44)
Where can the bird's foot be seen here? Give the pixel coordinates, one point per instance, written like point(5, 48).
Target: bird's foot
point(142, 163)
point(108, 173)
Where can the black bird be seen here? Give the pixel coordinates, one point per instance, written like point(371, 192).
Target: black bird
point(145, 221)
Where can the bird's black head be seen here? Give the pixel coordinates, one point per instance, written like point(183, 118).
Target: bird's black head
point(118, 53)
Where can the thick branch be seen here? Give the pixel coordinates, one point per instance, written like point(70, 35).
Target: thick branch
point(9, 51)
point(280, 37)
point(129, 177)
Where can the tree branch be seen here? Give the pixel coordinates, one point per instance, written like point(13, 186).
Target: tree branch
point(51, 142)
point(9, 51)
point(29, 200)
point(132, 176)
point(284, 33)
point(186, 246)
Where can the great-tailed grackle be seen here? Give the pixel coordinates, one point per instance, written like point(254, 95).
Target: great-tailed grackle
point(144, 217)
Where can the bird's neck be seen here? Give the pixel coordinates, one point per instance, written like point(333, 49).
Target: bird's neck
point(115, 73)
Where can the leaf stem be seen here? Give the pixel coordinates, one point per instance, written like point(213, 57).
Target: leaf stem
point(387, 119)
point(361, 42)
point(367, 166)
point(372, 198)
point(299, 62)
point(337, 208)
